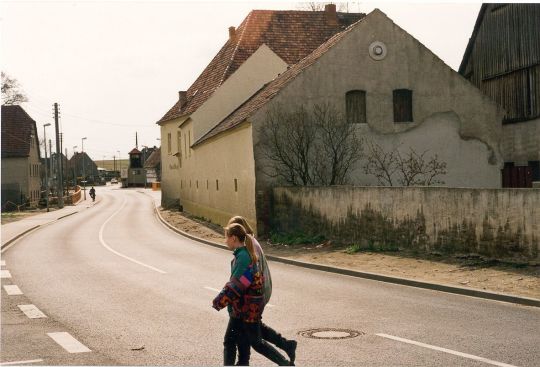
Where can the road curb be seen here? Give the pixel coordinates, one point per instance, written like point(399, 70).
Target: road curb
point(374, 276)
point(10, 241)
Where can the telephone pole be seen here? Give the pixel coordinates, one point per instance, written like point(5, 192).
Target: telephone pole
point(59, 186)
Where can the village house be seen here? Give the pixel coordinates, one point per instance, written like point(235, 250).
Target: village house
point(372, 64)
point(21, 182)
point(503, 60)
point(82, 167)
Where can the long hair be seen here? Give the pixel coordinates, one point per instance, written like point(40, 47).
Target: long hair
point(240, 232)
point(243, 222)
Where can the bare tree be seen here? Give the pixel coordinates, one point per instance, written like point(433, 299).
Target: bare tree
point(12, 93)
point(309, 148)
point(381, 164)
point(338, 148)
point(342, 7)
point(287, 141)
point(414, 169)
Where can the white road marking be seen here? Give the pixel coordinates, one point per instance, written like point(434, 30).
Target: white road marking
point(2, 263)
point(116, 252)
point(12, 290)
point(5, 274)
point(32, 311)
point(69, 343)
point(450, 351)
point(219, 290)
point(21, 362)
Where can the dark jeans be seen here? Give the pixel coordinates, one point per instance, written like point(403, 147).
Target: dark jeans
point(256, 332)
point(235, 336)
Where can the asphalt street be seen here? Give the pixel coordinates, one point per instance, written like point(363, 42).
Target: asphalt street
point(133, 292)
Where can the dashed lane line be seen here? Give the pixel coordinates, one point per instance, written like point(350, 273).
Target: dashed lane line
point(445, 350)
point(21, 362)
point(69, 343)
point(219, 290)
point(118, 253)
point(31, 311)
point(5, 274)
point(12, 290)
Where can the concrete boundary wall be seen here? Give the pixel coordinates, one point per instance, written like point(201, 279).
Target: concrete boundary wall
point(498, 223)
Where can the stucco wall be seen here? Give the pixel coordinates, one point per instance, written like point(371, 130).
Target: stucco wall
point(14, 178)
point(261, 67)
point(226, 158)
point(521, 142)
point(502, 223)
point(170, 187)
point(452, 118)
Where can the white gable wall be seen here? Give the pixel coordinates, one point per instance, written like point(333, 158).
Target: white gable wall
point(452, 118)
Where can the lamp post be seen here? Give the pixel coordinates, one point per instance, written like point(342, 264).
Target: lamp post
point(83, 168)
point(46, 167)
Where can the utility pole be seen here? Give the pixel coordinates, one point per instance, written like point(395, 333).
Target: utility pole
point(114, 163)
point(61, 161)
point(83, 168)
point(59, 188)
point(46, 166)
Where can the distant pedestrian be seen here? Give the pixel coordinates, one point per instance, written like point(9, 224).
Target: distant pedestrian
point(243, 295)
point(267, 333)
point(93, 193)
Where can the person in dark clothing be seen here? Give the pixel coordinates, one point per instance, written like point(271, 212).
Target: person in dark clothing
point(244, 295)
point(93, 193)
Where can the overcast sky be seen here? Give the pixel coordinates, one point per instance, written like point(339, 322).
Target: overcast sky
point(115, 67)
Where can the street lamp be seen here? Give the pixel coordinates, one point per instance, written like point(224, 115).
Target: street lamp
point(119, 162)
point(46, 167)
point(73, 173)
point(83, 168)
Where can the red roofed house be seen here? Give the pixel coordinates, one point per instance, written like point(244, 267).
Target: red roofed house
point(210, 136)
point(21, 163)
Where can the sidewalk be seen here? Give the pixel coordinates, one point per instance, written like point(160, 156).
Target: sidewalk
point(14, 230)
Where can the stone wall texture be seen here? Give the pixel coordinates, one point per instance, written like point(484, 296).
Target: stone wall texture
point(497, 223)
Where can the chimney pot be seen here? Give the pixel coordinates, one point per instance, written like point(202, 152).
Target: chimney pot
point(182, 97)
point(232, 32)
point(331, 15)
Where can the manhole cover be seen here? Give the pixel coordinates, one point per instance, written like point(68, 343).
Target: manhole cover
point(330, 333)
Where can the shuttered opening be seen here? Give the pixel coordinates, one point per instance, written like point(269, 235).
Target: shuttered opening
point(356, 106)
point(403, 105)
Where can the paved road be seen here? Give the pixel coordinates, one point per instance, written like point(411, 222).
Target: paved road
point(135, 293)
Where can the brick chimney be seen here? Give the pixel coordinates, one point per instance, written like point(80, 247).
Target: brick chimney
point(331, 15)
point(182, 97)
point(232, 33)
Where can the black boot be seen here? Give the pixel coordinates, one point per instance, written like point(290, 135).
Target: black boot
point(289, 346)
point(229, 356)
point(271, 353)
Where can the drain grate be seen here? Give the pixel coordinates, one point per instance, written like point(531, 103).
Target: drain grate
point(330, 333)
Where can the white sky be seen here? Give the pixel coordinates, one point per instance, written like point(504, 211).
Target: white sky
point(115, 67)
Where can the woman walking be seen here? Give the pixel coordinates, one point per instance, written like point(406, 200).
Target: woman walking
point(244, 293)
point(267, 333)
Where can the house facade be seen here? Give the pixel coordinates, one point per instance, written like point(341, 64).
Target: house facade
point(503, 60)
point(21, 157)
point(82, 167)
point(372, 60)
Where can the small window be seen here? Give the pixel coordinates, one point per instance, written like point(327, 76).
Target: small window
point(190, 184)
point(356, 106)
point(403, 105)
point(169, 143)
point(206, 184)
point(217, 185)
point(190, 143)
point(181, 184)
point(185, 147)
point(235, 185)
point(197, 184)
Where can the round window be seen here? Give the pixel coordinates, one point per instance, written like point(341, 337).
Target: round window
point(377, 50)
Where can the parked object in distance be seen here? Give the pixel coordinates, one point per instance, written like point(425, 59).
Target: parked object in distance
point(114, 181)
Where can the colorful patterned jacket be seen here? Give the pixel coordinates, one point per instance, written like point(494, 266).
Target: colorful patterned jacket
point(244, 292)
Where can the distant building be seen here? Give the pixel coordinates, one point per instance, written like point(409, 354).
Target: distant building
point(152, 165)
point(503, 60)
point(21, 163)
point(136, 172)
point(88, 173)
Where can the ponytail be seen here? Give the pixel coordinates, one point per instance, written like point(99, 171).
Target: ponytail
point(251, 249)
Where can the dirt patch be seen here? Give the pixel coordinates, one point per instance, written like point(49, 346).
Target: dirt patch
point(10, 217)
point(473, 272)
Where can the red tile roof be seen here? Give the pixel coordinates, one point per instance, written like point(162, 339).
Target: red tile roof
point(17, 128)
point(292, 35)
point(135, 151)
point(270, 90)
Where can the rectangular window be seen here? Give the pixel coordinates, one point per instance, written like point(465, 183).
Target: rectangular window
point(190, 143)
point(169, 143)
point(206, 184)
point(181, 184)
point(235, 185)
point(190, 184)
point(217, 185)
point(403, 105)
point(179, 146)
point(185, 147)
point(355, 101)
point(197, 184)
